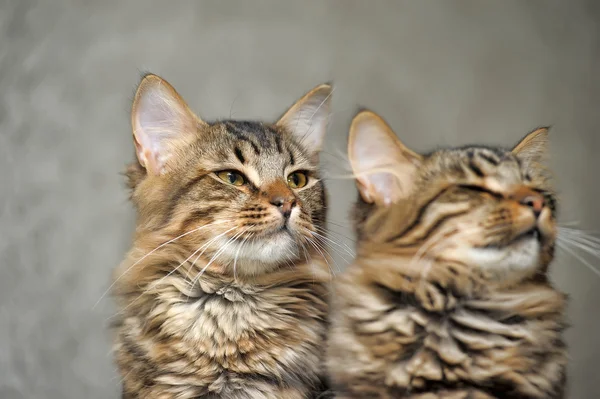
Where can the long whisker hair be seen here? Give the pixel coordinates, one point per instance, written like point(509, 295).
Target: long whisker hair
point(316, 241)
point(341, 163)
point(205, 247)
point(217, 254)
point(156, 284)
point(153, 251)
point(340, 249)
point(573, 241)
point(235, 259)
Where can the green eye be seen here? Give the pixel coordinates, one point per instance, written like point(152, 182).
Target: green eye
point(232, 177)
point(297, 180)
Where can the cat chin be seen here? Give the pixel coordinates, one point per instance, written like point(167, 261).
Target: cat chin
point(519, 259)
point(259, 255)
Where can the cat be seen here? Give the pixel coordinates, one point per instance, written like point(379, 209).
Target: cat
point(224, 293)
point(448, 297)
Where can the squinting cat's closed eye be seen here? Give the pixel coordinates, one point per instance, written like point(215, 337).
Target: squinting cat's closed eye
point(473, 187)
point(449, 295)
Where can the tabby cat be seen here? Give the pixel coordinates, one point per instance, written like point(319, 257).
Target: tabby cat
point(449, 294)
point(224, 293)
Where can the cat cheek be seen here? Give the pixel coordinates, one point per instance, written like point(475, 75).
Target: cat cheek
point(546, 224)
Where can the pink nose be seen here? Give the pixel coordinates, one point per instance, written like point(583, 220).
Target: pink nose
point(284, 204)
point(528, 197)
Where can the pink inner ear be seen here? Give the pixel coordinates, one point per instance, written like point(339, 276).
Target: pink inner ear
point(381, 188)
point(371, 152)
point(161, 123)
point(374, 151)
point(308, 118)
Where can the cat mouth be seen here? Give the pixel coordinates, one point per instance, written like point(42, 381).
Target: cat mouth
point(531, 234)
point(284, 229)
point(275, 232)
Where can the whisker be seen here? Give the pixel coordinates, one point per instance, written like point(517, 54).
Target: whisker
point(317, 248)
point(590, 248)
point(342, 156)
point(156, 284)
point(238, 252)
point(329, 176)
point(216, 255)
point(327, 249)
point(329, 240)
point(578, 257)
point(305, 136)
point(338, 223)
point(204, 248)
point(306, 254)
point(576, 233)
point(327, 231)
point(150, 253)
point(580, 240)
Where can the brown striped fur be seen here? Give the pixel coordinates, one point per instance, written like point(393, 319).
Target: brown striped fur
point(224, 292)
point(448, 297)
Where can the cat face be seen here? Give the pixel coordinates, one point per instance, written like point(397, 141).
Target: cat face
point(489, 209)
point(248, 193)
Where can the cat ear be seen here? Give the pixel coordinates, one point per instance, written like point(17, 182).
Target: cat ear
point(385, 170)
point(162, 123)
point(307, 119)
point(534, 146)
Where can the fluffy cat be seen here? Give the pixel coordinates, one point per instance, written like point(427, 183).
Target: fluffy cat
point(448, 297)
point(224, 293)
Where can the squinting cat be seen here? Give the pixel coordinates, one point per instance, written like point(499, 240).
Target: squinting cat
point(449, 294)
point(224, 293)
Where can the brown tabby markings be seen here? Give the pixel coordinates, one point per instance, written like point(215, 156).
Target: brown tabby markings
point(448, 296)
point(234, 305)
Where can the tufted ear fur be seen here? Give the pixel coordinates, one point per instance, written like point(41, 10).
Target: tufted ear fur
point(162, 123)
point(307, 119)
point(385, 170)
point(533, 147)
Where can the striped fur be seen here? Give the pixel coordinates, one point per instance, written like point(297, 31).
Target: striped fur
point(224, 292)
point(449, 297)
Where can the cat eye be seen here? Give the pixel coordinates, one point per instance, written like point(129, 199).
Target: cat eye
point(232, 177)
point(297, 179)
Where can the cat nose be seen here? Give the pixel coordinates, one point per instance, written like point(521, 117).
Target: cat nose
point(285, 204)
point(532, 199)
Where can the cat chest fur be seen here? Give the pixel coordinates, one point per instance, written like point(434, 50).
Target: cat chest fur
point(229, 340)
point(412, 342)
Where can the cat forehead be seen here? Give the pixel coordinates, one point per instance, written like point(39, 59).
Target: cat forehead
point(478, 165)
point(260, 136)
point(262, 147)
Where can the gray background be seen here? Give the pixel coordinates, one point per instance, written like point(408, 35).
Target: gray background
point(441, 72)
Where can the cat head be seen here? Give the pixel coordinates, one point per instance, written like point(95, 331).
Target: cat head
point(490, 209)
point(247, 192)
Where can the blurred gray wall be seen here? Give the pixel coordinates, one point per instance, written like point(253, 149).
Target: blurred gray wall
point(441, 72)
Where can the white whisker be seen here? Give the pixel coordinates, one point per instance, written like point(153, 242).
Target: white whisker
point(318, 249)
point(329, 240)
point(237, 254)
point(579, 257)
point(216, 255)
point(577, 234)
point(150, 253)
point(156, 284)
point(204, 247)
